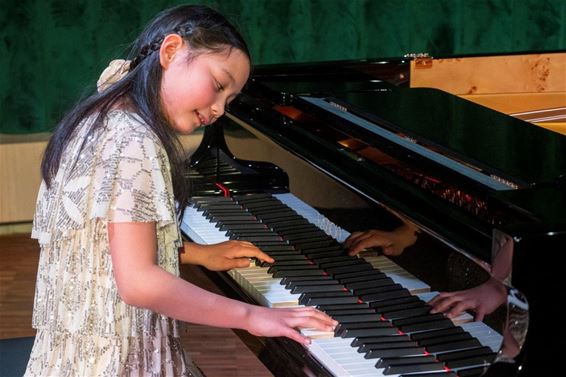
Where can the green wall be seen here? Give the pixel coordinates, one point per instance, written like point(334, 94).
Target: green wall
point(54, 50)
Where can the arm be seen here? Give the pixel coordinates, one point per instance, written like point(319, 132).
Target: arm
point(141, 282)
point(223, 256)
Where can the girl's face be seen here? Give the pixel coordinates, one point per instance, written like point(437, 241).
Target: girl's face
point(194, 93)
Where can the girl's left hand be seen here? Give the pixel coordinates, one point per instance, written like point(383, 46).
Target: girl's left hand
point(223, 256)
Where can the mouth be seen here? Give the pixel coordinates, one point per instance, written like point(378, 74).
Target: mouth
point(203, 121)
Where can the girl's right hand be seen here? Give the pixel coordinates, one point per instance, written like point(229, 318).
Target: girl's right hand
point(285, 322)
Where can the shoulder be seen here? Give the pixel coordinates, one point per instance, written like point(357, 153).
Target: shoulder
point(123, 123)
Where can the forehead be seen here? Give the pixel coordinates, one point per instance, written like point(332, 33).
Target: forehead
point(232, 61)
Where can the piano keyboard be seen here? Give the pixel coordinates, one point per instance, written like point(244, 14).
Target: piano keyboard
point(379, 305)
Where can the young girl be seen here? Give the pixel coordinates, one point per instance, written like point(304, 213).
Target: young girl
point(108, 291)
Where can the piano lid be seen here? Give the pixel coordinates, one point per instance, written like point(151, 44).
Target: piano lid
point(475, 138)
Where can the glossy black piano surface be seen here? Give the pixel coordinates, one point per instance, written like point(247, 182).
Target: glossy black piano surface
point(368, 153)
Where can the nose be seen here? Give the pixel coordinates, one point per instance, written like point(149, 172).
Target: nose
point(218, 108)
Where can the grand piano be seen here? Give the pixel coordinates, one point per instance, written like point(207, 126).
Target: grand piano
point(474, 199)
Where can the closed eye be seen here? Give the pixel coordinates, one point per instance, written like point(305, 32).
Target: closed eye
point(219, 87)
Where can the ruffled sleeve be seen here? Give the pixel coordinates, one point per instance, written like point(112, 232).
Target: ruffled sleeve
point(119, 172)
point(131, 182)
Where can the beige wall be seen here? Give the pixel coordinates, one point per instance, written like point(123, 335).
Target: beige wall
point(20, 160)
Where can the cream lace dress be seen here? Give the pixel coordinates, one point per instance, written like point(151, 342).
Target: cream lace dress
point(118, 173)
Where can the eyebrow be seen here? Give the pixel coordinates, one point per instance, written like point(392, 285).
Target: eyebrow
point(229, 74)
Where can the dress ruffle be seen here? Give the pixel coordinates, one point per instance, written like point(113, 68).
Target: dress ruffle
point(68, 354)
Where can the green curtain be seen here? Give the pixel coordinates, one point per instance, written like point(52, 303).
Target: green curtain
point(54, 50)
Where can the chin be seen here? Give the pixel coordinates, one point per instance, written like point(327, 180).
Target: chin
point(187, 129)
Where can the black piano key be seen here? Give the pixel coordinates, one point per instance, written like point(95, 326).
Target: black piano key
point(385, 296)
point(337, 312)
point(274, 224)
point(243, 235)
point(378, 305)
point(208, 214)
point(360, 276)
point(243, 217)
point(258, 239)
point(246, 231)
point(424, 326)
point(332, 259)
point(279, 216)
point(292, 284)
point(239, 226)
point(277, 269)
point(360, 341)
point(278, 248)
point(445, 339)
point(291, 262)
point(370, 283)
point(293, 273)
point(395, 352)
point(413, 368)
point(217, 206)
point(314, 301)
point(301, 231)
point(380, 346)
point(381, 289)
point(388, 361)
point(283, 258)
point(419, 319)
point(299, 289)
point(263, 204)
point(261, 244)
point(407, 313)
point(401, 306)
point(323, 252)
point(375, 331)
point(306, 237)
point(438, 333)
point(351, 262)
point(322, 245)
point(305, 298)
point(343, 306)
point(352, 268)
point(291, 227)
point(289, 279)
point(454, 346)
point(356, 318)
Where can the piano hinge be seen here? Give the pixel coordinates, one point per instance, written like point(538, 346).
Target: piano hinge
point(422, 59)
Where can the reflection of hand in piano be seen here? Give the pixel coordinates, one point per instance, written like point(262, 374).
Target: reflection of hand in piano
point(392, 243)
point(482, 300)
point(223, 256)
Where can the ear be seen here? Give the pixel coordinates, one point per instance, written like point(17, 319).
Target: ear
point(170, 46)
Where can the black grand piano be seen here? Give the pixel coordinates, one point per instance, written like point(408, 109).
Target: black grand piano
point(473, 200)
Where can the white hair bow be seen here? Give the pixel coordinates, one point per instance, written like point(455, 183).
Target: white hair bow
point(113, 73)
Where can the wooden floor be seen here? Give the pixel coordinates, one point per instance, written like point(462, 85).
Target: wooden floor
point(221, 354)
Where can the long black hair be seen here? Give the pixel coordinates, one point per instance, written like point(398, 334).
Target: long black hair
point(205, 30)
